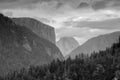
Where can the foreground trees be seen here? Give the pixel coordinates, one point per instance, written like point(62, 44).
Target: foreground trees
point(104, 65)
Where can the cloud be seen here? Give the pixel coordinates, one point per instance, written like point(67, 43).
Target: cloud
point(107, 24)
point(117, 3)
point(103, 4)
point(82, 19)
point(8, 4)
point(59, 4)
point(24, 3)
point(100, 4)
point(4, 1)
point(83, 33)
point(83, 5)
point(78, 32)
point(95, 4)
point(28, 1)
point(113, 23)
point(8, 13)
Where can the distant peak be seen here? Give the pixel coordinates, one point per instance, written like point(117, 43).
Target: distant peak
point(67, 44)
point(67, 38)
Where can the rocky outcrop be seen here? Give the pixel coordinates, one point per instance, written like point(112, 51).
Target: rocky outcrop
point(41, 29)
point(96, 44)
point(20, 47)
point(67, 44)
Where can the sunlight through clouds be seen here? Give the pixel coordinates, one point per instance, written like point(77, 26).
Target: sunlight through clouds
point(68, 17)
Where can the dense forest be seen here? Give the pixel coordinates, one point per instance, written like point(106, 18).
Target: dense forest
point(104, 65)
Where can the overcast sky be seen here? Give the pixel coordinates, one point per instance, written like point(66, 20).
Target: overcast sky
point(82, 19)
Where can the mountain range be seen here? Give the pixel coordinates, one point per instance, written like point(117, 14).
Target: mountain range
point(96, 44)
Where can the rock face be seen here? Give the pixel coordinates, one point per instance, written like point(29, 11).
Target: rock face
point(96, 44)
point(20, 47)
point(67, 44)
point(41, 29)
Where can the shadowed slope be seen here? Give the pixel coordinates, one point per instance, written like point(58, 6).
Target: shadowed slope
point(20, 47)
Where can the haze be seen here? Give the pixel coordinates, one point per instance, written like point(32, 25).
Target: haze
point(71, 18)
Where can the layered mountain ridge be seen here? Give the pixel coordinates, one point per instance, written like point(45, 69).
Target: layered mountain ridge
point(21, 47)
point(96, 44)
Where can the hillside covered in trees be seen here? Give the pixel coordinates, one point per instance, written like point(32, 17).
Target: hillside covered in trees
point(104, 65)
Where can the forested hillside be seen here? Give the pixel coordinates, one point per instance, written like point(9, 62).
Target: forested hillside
point(104, 65)
point(96, 44)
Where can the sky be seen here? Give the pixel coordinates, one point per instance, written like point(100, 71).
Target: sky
point(81, 19)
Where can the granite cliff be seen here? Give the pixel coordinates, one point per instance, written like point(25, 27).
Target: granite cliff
point(21, 47)
point(41, 29)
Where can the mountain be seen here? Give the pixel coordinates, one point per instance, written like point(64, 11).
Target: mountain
point(96, 44)
point(20, 47)
point(41, 29)
point(67, 44)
